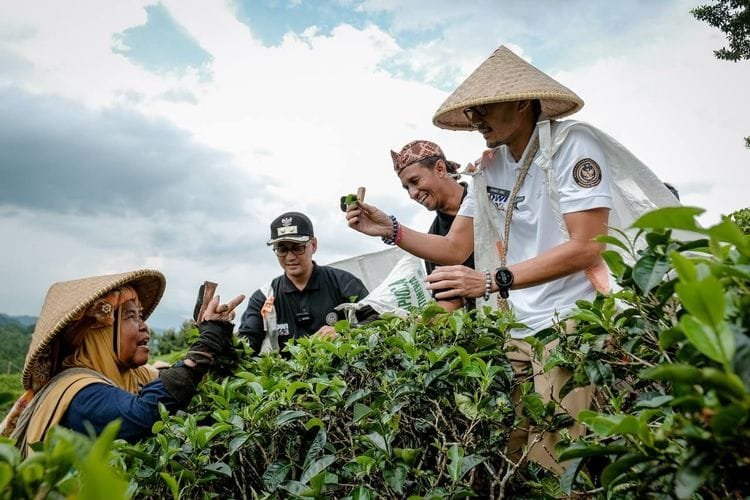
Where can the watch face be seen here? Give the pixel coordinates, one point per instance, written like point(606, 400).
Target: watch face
point(503, 277)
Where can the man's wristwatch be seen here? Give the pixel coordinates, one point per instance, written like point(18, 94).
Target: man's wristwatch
point(504, 280)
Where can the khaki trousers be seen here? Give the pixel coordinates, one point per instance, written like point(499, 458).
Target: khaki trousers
point(527, 367)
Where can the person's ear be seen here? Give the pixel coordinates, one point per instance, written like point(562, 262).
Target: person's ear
point(314, 244)
point(441, 168)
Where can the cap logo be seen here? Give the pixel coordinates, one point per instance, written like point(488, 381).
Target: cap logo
point(286, 230)
point(285, 221)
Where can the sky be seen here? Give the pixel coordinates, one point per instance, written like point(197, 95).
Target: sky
point(169, 134)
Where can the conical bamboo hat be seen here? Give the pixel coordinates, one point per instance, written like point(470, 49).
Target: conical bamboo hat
point(505, 77)
point(67, 301)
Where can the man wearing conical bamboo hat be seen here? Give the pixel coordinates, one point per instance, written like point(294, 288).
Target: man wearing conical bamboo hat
point(543, 191)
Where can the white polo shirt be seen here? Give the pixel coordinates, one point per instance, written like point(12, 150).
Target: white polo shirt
point(583, 182)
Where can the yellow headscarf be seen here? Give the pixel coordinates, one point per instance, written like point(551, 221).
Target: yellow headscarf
point(89, 357)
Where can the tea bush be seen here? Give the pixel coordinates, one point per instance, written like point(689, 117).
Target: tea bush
point(396, 408)
point(420, 407)
point(66, 465)
point(670, 354)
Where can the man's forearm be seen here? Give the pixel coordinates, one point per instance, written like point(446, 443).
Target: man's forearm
point(563, 260)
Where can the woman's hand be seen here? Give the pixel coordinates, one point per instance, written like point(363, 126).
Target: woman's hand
point(222, 312)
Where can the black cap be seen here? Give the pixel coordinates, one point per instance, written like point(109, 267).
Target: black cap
point(291, 226)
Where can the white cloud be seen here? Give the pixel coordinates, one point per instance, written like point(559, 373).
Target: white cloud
point(311, 119)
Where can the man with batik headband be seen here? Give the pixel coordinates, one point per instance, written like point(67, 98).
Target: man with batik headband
point(86, 365)
point(302, 301)
point(431, 180)
point(542, 193)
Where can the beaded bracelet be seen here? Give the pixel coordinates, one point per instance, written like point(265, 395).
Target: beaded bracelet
point(395, 236)
point(487, 285)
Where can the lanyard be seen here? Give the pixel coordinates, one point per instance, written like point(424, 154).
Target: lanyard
point(502, 303)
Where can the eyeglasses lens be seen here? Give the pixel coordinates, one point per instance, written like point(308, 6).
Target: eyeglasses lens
point(281, 251)
point(473, 113)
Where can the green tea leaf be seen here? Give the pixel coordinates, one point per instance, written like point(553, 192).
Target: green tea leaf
point(316, 467)
point(620, 467)
point(673, 372)
point(289, 416)
point(172, 484)
point(275, 474)
point(611, 240)
point(649, 271)
point(581, 449)
point(727, 231)
point(219, 468)
point(455, 455)
point(703, 299)
point(378, 440)
point(361, 411)
point(395, 477)
point(408, 455)
point(466, 405)
point(469, 462)
point(316, 446)
point(356, 396)
point(685, 267)
point(671, 218)
point(614, 262)
point(717, 347)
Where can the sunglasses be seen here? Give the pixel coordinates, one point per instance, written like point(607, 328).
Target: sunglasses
point(282, 250)
point(474, 113)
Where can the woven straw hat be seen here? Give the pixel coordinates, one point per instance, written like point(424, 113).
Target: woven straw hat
point(67, 301)
point(505, 77)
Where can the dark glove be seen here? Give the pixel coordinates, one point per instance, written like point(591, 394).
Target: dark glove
point(215, 340)
point(181, 381)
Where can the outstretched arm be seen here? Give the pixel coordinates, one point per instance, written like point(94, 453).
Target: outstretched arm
point(579, 253)
point(453, 248)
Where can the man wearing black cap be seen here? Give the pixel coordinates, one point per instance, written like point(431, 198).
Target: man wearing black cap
point(301, 301)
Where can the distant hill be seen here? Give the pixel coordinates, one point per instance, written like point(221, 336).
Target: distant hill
point(15, 332)
point(6, 319)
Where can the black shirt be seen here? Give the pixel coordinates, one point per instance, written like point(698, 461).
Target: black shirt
point(304, 312)
point(440, 226)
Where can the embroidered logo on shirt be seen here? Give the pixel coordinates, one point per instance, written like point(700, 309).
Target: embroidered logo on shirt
point(587, 173)
point(499, 198)
point(282, 329)
point(331, 318)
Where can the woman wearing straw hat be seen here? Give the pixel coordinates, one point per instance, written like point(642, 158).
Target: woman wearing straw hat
point(543, 191)
point(86, 364)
